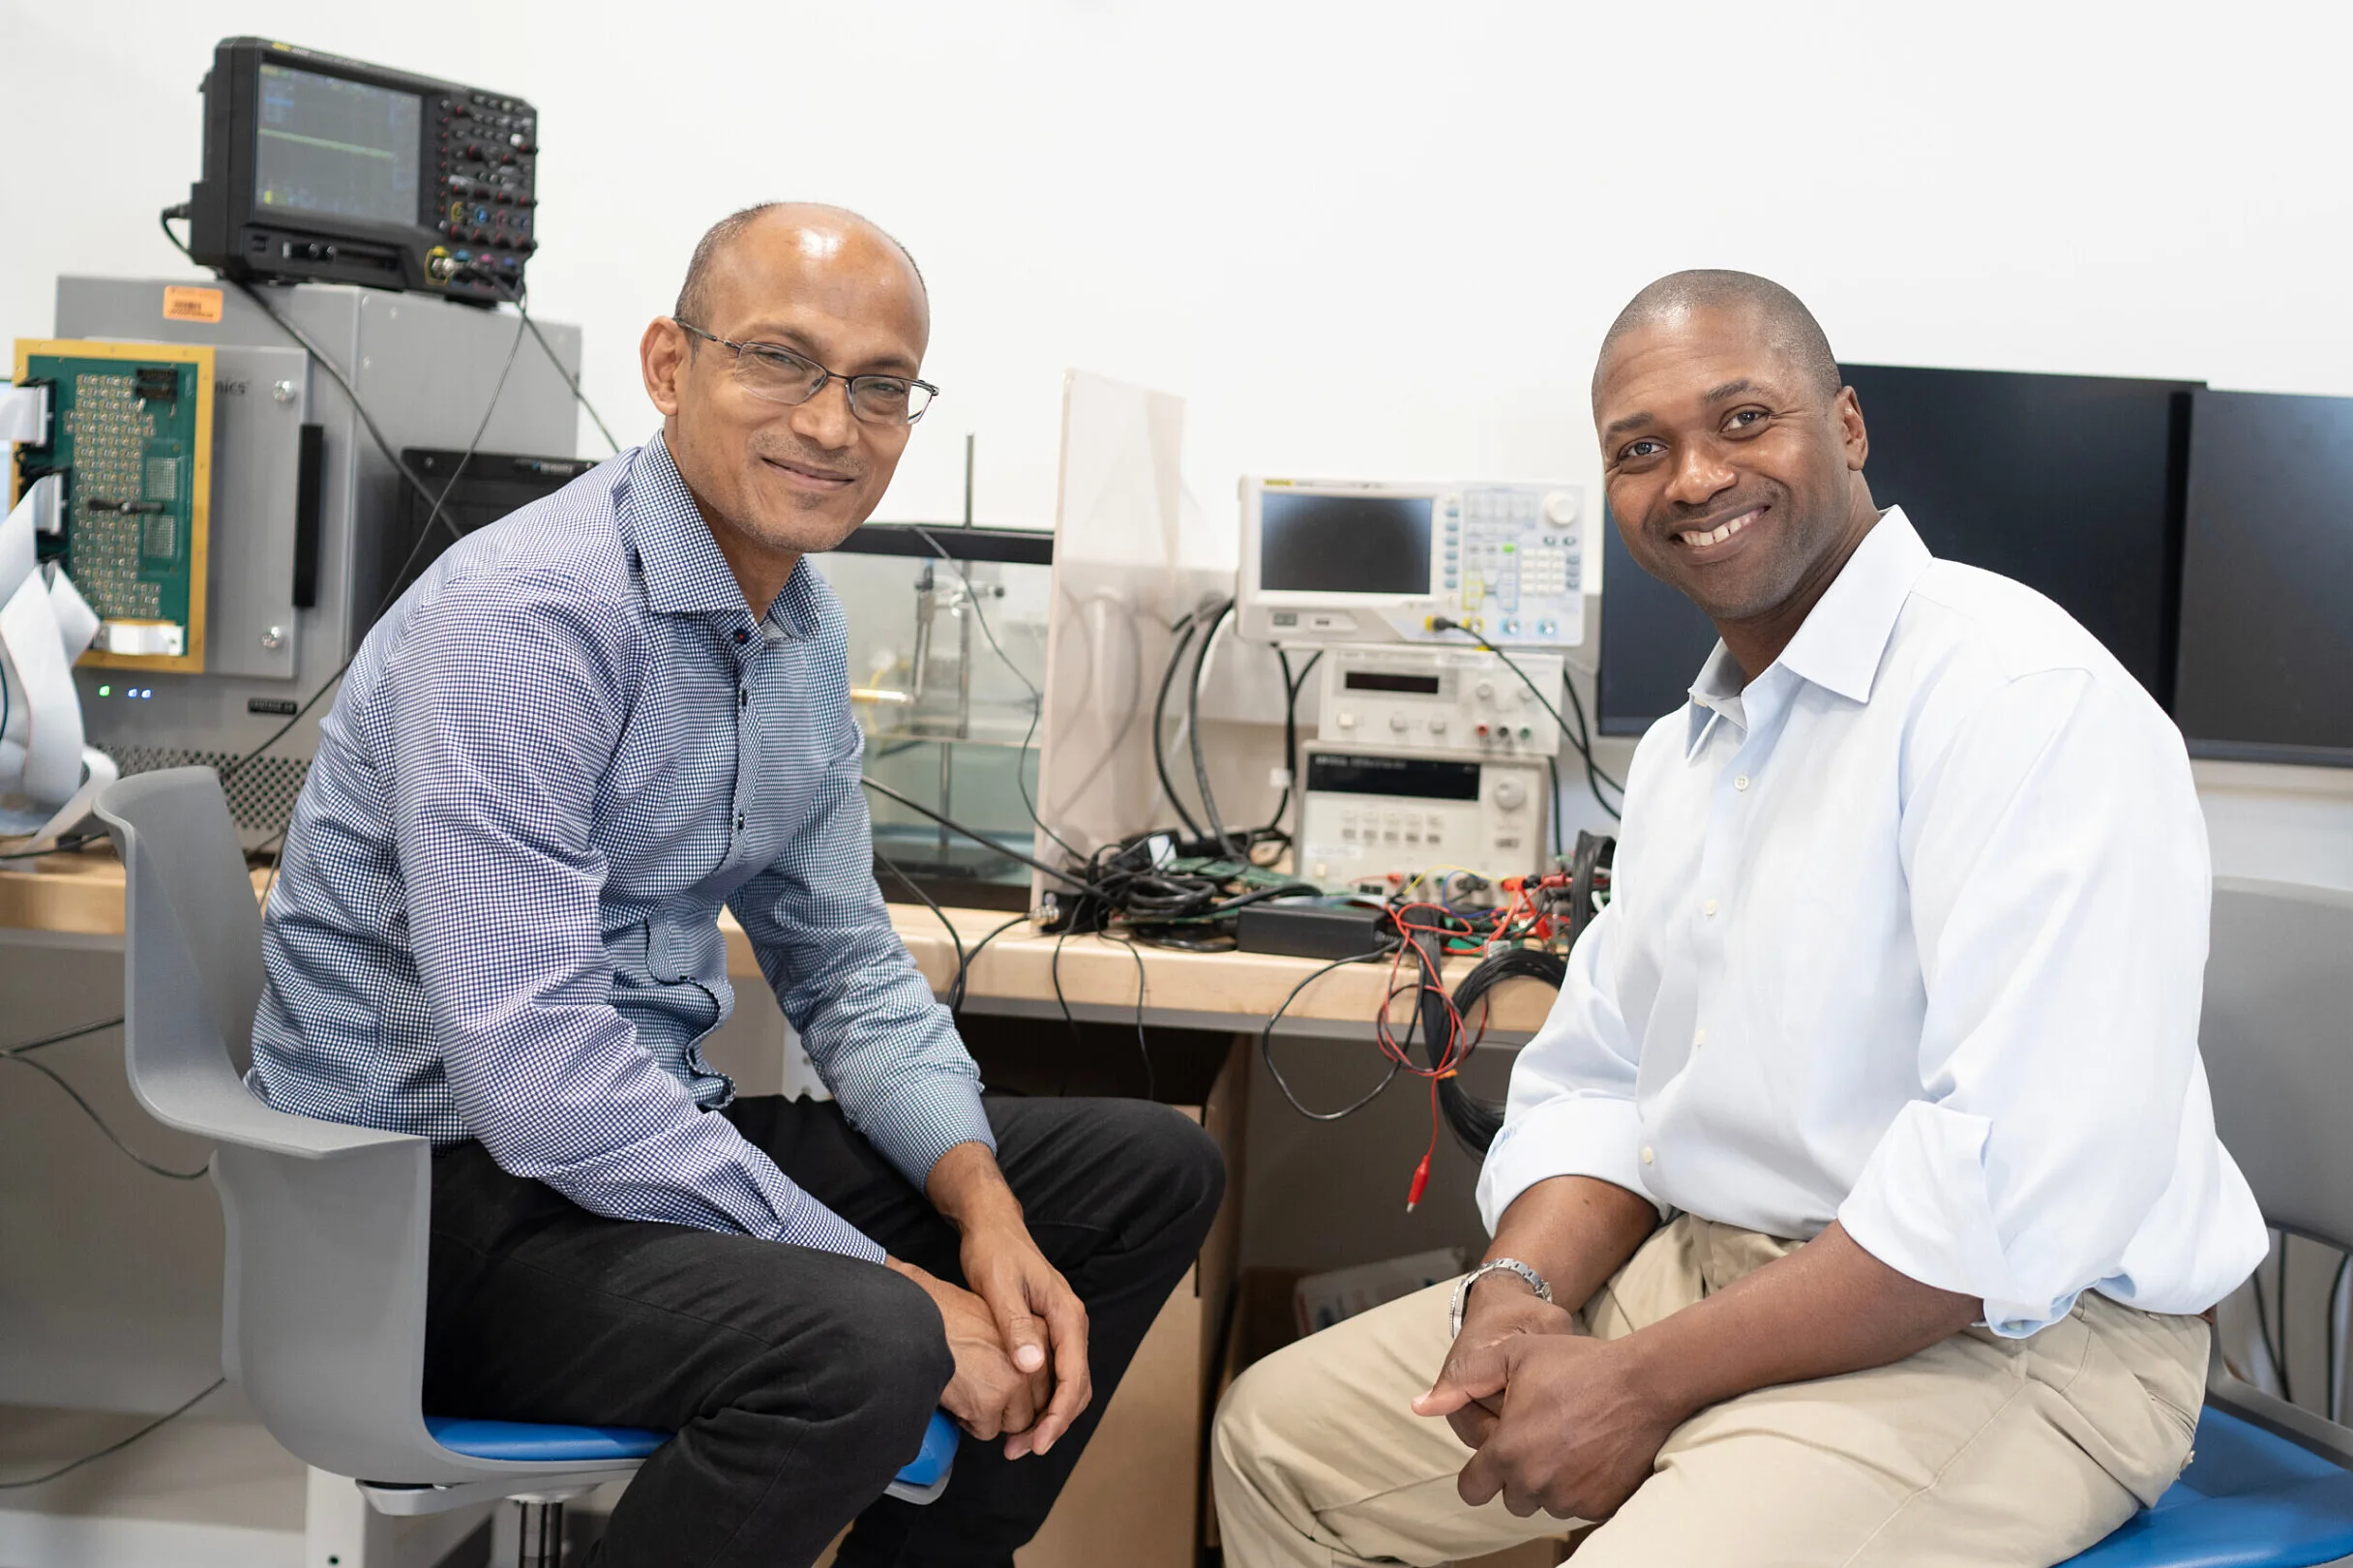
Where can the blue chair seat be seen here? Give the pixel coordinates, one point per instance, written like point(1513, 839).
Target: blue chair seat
point(930, 1465)
point(2248, 1499)
point(533, 1440)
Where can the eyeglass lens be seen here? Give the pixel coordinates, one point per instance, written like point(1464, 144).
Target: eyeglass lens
point(782, 377)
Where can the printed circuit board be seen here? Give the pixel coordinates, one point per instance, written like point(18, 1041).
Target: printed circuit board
point(130, 430)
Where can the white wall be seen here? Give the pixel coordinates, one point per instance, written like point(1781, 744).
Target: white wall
point(1370, 238)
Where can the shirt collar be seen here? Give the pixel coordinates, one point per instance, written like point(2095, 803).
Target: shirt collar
point(1714, 695)
point(685, 574)
point(1845, 636)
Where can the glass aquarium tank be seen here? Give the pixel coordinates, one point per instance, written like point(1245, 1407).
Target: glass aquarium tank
point(947, 659)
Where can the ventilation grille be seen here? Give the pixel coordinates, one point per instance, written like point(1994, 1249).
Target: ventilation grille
point(260, 793)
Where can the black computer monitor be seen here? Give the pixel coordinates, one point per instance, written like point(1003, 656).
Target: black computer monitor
point(2070, 484)
point(2267, 623)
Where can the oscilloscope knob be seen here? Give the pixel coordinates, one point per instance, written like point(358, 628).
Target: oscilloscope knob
point(1561, 507)
point(1510, 794)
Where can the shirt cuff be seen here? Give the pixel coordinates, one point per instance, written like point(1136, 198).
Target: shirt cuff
point(952, 1115)
point(812, 1225)
point(1577, 1134)
point(1922, 1208)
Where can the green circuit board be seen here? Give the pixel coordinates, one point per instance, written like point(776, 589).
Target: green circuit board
point(131, 431)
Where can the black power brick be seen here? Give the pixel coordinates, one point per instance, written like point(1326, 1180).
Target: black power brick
point(1308, 930)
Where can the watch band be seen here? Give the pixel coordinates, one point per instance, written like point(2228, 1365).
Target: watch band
point(1496, 1265)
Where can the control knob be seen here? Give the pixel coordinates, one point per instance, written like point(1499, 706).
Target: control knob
point(1510, 794)
point(1561, 507)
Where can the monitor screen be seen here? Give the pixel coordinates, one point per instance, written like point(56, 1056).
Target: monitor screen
point(2267, 626)
point(323, 144)
point(1344, 543)
point(2068, 484)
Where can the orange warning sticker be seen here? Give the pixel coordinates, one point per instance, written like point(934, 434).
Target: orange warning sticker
point(182, 302)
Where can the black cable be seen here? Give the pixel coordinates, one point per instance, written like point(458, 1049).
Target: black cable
point(1054, 968)
point(954, 940)
point(1290, 732)
point(1200, 761)
point(118, 1446)
point(326, 362)
point(368, 423)
point(1577, 737)
point(956, 990)
point(1266, 1047)
point(513, 296)
point(1185, 630)
point(1476, 1121)
point(1595, 775)
point(398, 582)
point(1286, 890)
point(1143, 1046)
point(48, 1040)
point(90, 1111)
point(976, 835)
point(1585, 737)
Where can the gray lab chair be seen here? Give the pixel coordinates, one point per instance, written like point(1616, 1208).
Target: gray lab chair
point(323, 1321)
point(2271, 1485)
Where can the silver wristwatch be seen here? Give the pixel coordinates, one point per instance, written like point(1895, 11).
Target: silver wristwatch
point(1497, 1265)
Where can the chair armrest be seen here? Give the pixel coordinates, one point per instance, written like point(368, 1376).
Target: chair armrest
point(2278, 1416)
point(226, 1112)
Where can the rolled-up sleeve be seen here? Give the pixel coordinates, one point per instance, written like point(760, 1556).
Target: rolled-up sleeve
point(2056, 858)
point(507, 699)
point(887, 1050)
point(1572, 1108)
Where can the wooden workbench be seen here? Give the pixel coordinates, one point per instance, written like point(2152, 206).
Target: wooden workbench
point(79, 898)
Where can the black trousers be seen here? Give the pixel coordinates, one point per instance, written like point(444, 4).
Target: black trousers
point(800, 1381)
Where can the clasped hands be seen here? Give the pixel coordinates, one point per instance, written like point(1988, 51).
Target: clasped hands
point(1562, 1422)
point(1018, 1336)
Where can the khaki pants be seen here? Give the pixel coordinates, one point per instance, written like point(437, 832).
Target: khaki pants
point(1980, 1450)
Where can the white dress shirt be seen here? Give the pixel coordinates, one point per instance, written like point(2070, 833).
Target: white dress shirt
point(1909, 932)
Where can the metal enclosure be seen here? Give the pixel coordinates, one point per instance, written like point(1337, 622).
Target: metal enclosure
point(426, 369)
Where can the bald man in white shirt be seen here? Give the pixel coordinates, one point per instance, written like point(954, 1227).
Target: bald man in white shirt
point(1855, 1202)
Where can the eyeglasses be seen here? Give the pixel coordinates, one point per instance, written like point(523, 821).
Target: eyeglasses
point(780, 375)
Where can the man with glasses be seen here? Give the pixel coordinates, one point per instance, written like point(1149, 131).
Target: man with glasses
point(583, 732)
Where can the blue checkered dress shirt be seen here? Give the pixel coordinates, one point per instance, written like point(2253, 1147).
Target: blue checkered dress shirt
point(553, 762)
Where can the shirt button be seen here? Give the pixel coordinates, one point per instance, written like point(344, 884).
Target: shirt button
point(742, 636)
point(743, 697)
point(1647, 1157)
point(739, 821)
point(1699, 1038)
point(1741, 783)
point(1709, 909)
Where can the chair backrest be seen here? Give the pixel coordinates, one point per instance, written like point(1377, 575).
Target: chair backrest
point(324, 1321)
point(2277, 1035)
point(191, 922)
